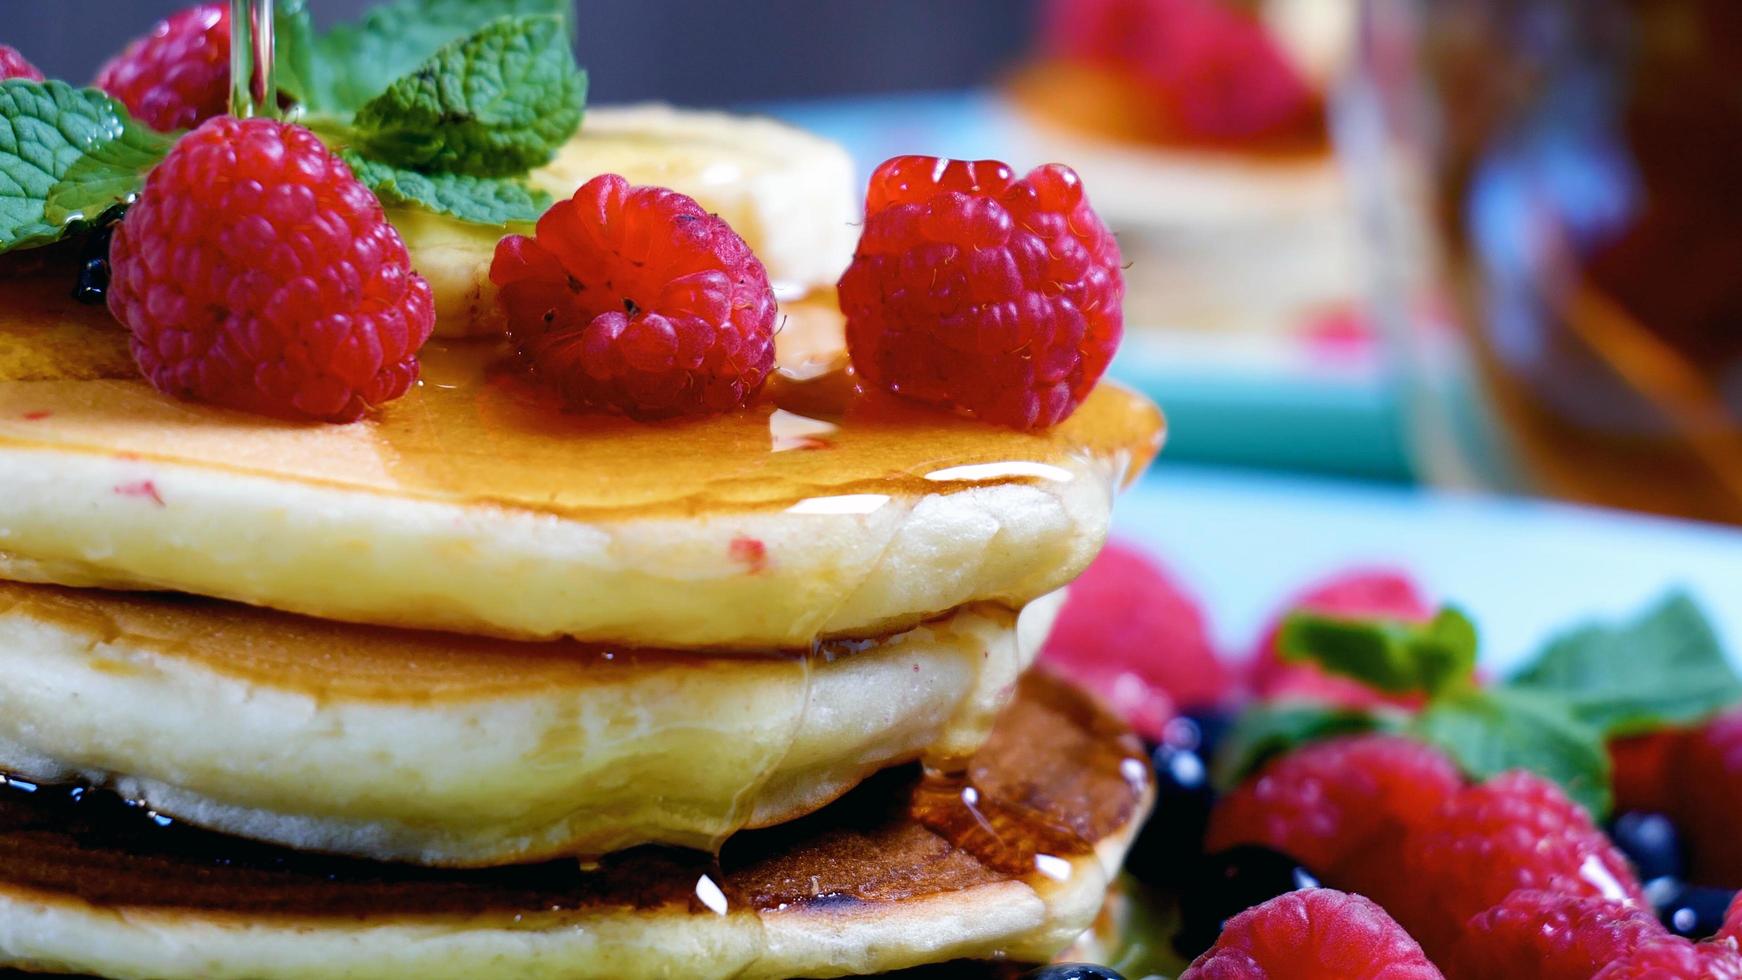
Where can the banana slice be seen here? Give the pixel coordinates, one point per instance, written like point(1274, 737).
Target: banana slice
point(791, 195)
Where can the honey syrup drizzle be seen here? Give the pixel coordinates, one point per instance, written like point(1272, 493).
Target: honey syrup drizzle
point(475, 430)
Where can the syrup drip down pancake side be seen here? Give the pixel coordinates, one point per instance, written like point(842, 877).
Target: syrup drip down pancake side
point(473, 505)
point(441, 749)
point(1013, 860)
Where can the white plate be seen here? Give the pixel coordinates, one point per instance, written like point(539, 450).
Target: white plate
point(1524, 570)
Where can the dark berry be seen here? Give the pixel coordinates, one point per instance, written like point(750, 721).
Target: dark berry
point(1690, 911)
point(1173, 839)
point(1212, 725)
point(1222, 885)
point(92, 286)
point(1650, 841)
point(1072, 971)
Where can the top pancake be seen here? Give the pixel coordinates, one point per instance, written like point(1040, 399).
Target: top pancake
point(473, 504)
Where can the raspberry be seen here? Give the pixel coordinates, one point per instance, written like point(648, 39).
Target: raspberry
point(256, 273)
point(1675, 958)
point(1515, 831)
point(1211, 68)
point(636, 300)
point(1315, 934)
point(997, 297)
point(1707, 775)
point(1535, 935)
point(1642, 774)
point(178, 74)
point(14, 65)
point(1129, 632)
point(1733, 920)
point(1358, 592)
point(1322, 802)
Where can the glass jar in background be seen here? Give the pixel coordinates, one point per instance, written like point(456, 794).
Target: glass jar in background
point(1562, 180)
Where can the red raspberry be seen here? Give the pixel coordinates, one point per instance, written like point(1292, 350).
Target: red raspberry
point(14, 65)
point(1315, 934)
point(255, 272)
point(635, 299)
point(1130, 633)
point(1211, 69)
point(1323, 802)
point(997, 297)
point(1515, 831)
point(178, 75)
point(1358, 592)
point(1707, 776)
point(1535, 935)
point(1642, 771)
point(1675, 958)
point(1733, 920)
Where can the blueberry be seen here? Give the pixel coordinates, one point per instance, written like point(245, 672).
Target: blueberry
point(1173, 838)
point(92, 286)
point(1212, 724)
point(1222, 885)
point(1690, 911)
point(1650, 841)
point(1071, 971)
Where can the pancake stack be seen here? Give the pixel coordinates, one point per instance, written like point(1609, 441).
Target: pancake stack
point(476, 687)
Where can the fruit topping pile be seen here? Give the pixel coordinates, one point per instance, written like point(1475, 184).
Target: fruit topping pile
point(256, 267)
point(1354, 800)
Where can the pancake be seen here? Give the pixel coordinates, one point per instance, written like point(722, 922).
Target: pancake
point(901, 872)
point(443, 749)
point(791, 195)
point(472, 504)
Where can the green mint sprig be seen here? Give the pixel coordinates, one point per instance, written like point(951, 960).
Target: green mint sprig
point(1553, 716)
point(442, 104)
point(67, 155)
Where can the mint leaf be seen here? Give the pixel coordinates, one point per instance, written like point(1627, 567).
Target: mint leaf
point(293, 46)
point(1269, 729)
point(495, 104)
point(1389, 655)
point(353, 63)
point(1491, 731)
point(1664, 668)
point(65, 154)
point(480, 200)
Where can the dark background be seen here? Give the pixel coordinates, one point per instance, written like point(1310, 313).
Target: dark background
point(693, 52)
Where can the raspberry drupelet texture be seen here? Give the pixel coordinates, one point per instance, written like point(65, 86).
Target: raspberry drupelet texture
point(636, 300)
point(1129, 632)
point(998, 297)
point(1514, 831)
point(178, 74)
point(14, 65)
point(1323, 802)
point(1675, 958)
point(256, 273)
point(1315, 934)
point(1535, 935)
point(1706, 775)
